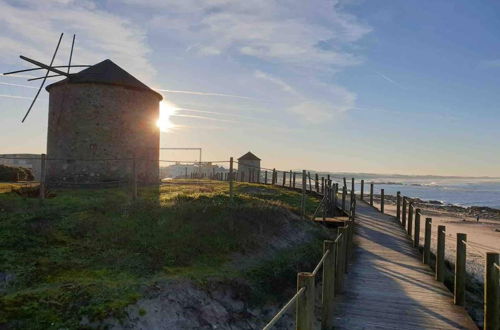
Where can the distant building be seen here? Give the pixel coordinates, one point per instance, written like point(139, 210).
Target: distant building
point(179, 170)
point(248, 167)
point(29, 161)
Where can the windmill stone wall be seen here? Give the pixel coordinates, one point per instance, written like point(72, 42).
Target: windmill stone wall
point(95, 129)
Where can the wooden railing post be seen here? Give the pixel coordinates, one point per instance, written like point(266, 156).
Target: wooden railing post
point(316, 182)
point(290, 178)
point(231, 177)
point(305, 303)
point(274, 176)
point(322, 185)
point(352, 189)
point(309, 177)
point(491, 292)
point(294, 174)
point(416, 235)
point(265, 177)
point(410, 219)
point(403, 217)
point(43, 166)
point(327, 309)
point(284, 178)
point(339, 267)
point(362, 192)
point(382, 197)
point(398, 205)
point(427, 241)
point(440, 253)
point(344, 193)
point(346, 248)
point(371, 194)
point(459, 287)
point(304, 187)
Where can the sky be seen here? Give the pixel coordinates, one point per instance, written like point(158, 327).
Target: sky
point(376, 86)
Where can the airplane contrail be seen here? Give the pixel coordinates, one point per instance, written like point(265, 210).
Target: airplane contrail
point(204, 93)
point(18, 85)
point(16, 97)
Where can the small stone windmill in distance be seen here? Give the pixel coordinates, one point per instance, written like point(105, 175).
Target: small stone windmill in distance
point(101, 125)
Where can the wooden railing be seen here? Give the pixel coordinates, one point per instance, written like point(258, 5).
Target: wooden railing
point(334, 262)
point(410, 217)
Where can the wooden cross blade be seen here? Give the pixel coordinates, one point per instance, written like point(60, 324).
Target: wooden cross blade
point(54, 66)
point(44, 66)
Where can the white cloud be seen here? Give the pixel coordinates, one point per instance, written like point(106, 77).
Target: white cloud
point(299, 32)
point(317, 112)
point(32, 28)
point(277, 81)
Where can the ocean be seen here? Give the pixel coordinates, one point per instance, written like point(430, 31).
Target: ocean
point(457, 191)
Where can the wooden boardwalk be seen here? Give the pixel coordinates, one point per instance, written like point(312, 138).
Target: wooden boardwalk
point(388, 287)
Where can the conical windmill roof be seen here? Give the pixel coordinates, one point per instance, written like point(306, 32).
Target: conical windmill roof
point(108, 73)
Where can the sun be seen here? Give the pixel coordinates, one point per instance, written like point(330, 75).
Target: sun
point(167, 109)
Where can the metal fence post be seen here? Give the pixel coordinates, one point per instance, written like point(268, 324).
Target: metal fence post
point(43, 161)
point(459, 287)
point(304, 187)
point(327, 309)
point(440, 253)
point(305, 303)
point(491, 292)
point(427, 241)
point(231, 183)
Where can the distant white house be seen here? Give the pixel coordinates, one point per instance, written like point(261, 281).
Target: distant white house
point(29, 161)
point(180, 170)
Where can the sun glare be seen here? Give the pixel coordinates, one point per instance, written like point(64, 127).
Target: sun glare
point(164, 123)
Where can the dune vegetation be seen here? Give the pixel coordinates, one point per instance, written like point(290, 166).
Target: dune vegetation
point(90, 253)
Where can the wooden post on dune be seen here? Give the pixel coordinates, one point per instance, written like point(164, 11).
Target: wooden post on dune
point(427, 241)
point(284, 178)
point(371, 194)
point(294, 179)
point(410, 219)
point(305, 303)
point(440, 253)
point(274, 176)
point(309, 176)
point(265, 177)
point(322, 185)
point(382, 200)
point(316, 182)
point(327, 308)
point(403, 218)
point(416, 234)
point(290, 178)
point(361, 194)
point(491, 292)
point(344, 193)
point(459, 286)
point(398, 206)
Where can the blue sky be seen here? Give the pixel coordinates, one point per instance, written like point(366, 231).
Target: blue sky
point(380, 86)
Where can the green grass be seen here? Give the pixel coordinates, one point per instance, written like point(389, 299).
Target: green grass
point(92, 252)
